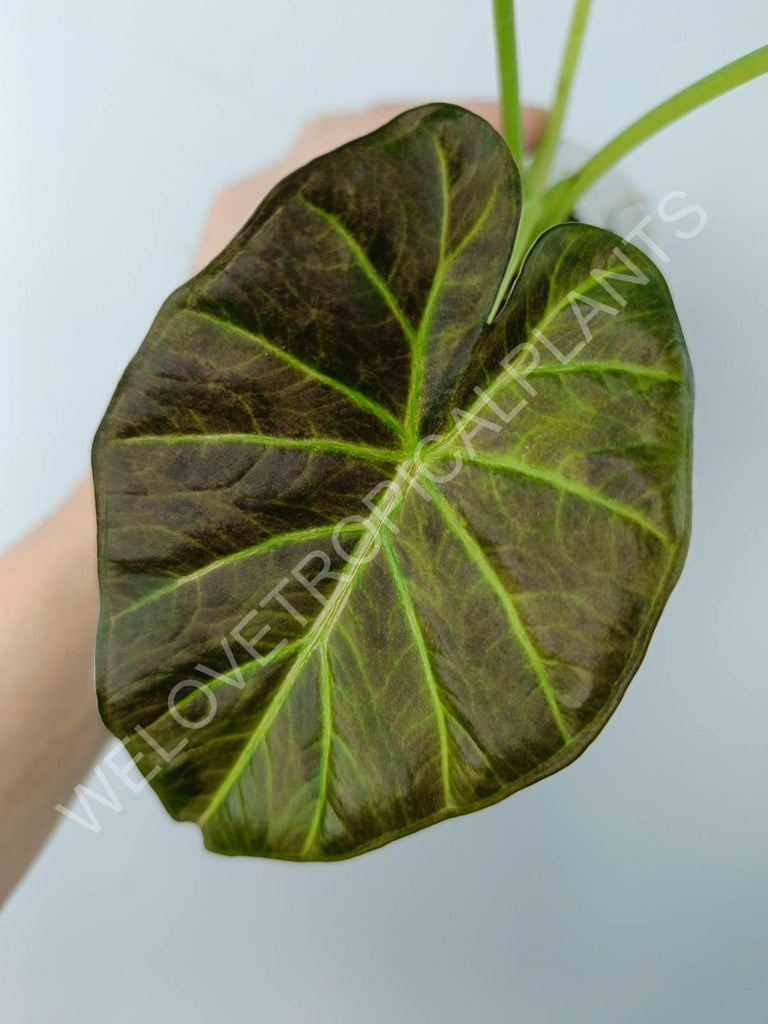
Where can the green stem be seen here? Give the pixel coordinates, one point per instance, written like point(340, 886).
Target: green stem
point(719, 82)
point(539, 171)
point(506, 49)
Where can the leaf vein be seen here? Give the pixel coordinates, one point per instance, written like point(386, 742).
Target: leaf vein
point(311, 443)
point(401, 587)
point(488, 573)
point(367, 267)
point(362, 401)
point(565, 485)
point(281, 540)
point(326, 706)
point(391, 499)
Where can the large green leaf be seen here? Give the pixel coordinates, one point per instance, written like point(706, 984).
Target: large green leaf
point(371, 628)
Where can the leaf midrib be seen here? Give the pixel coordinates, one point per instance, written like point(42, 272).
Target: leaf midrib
point(391, 499)
point(445, 262)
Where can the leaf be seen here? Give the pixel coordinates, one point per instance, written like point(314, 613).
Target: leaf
point(323, 627)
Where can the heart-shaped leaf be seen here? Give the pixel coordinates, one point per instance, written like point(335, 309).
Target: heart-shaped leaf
point(366, 561)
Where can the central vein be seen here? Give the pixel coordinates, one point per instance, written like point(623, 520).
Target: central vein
point(392, 497)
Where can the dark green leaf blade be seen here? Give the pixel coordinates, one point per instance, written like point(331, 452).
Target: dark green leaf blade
point(573, 502)
point(467, 609)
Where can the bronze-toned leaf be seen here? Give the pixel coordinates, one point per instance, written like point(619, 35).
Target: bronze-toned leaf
point(366, 561)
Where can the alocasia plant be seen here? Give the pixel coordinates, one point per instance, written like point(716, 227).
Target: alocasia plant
point(382, 539)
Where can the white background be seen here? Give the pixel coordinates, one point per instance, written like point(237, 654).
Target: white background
point(630, 888)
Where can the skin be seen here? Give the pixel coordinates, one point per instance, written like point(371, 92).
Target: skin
point(50, 731)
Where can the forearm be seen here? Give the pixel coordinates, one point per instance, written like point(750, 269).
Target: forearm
point(50, 730)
